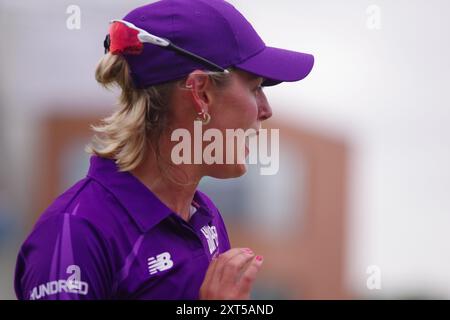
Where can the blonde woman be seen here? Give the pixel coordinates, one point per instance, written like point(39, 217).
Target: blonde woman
point(136, 227)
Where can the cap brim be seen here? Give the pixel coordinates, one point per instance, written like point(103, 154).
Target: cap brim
point(278, 65)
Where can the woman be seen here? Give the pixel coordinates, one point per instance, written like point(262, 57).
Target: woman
point(137, 227)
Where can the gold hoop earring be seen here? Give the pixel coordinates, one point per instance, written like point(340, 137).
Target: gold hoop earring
point(204, 117)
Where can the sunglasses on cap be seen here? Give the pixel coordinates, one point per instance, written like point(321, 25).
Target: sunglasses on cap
point(125, 38)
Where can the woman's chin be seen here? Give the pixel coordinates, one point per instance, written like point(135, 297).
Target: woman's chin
point(228, 171)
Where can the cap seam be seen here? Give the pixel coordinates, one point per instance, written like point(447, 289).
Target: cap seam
point(227, 22)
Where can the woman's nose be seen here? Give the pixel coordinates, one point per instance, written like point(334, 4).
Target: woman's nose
point(265, 111)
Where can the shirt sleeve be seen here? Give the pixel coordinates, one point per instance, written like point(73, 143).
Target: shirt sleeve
point(64, 258)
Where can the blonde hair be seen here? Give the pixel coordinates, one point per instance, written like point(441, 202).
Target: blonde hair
point(141, 118)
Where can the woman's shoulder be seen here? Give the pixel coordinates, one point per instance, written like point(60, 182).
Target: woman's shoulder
point(86, 201)
point(66, 240)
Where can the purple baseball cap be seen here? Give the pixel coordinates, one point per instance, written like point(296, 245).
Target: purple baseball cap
point(211, 29)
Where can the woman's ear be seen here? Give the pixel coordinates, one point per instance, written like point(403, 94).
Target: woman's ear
point(199, 84)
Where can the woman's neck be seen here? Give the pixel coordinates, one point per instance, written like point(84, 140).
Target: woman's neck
point(175, 187)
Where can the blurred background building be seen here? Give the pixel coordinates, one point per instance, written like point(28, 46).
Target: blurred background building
point(364, 141)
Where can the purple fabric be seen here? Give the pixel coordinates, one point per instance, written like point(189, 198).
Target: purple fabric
point(212, 29)
point(101, 238)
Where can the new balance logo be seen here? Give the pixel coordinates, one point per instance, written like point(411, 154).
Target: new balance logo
point(210, 234)
point(160, 263)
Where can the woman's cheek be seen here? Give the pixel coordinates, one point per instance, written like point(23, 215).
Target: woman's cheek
point(253, 111)
point(244, 109)
point(247, 116)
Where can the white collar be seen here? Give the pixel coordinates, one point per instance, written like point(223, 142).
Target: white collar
point(192, 210)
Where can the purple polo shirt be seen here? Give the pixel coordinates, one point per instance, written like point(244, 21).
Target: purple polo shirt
point(110, 237)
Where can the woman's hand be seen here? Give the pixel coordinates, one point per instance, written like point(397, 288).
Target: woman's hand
point(230, 276)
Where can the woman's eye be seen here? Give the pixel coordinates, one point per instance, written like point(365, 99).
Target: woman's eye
point(259, 88)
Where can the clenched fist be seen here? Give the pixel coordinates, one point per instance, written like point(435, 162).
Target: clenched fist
point(230, 276)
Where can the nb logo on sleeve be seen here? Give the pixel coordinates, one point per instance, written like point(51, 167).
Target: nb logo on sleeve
point(160, 263)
